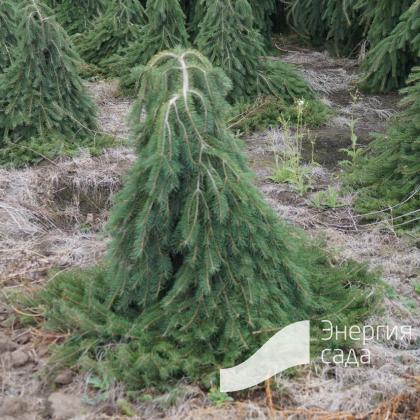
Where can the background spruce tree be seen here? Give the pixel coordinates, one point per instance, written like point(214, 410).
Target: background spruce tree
point(8, 17)
point(390, 173)
point(389, 63)
point(41, 93)
point(165, 29)
point(77, 16)
point(119, 26)
point(200, 270)
point(228, 37)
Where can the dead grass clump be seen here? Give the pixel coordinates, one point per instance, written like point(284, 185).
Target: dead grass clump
point(49, 214)
point(402, 407)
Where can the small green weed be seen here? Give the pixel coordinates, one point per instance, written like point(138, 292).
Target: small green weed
point(218, 398)
point(329, 198)
point(287, 146)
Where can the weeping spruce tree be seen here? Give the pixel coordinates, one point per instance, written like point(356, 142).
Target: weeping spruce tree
point(165, 29)
point(200, 270)
point(388, 178)
point(8, 16)
point(390, 61)
point(41, 93)
point(120, 25)
point(229, 38)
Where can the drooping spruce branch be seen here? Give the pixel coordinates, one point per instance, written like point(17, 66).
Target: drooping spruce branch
point(8, 31)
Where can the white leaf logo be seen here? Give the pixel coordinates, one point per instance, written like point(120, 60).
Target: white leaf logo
point(287, 348)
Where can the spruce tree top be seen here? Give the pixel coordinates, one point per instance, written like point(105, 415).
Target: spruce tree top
point(7, 32)
point(41, 92)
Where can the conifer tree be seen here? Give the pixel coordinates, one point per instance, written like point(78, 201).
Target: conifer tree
point(228, 37)
point(165, 29)
point(389, 176)
point(41, 93)
point(119, 26)
point(200, 270)
point(388, 64)
point(8, 32)
point(77, 16)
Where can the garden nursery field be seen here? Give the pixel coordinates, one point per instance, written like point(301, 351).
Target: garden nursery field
point(210, 209)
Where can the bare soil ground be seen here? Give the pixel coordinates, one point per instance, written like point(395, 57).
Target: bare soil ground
point(51, 216)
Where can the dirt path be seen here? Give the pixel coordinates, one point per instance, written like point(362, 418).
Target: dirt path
point(52, 216)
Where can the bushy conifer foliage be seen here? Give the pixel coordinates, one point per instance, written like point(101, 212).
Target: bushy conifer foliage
point(335, 23)
point(380, 17)
point(165, 29)
point(200, 271)
point(77, 16)
point(263, 11)
point(344, 27)
point(389, 63)
point(228, 37)
point(195, 14)
point(388, 178)
point(41, 94)
point(8, 16)
point(306, 18)
point(119, 26)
